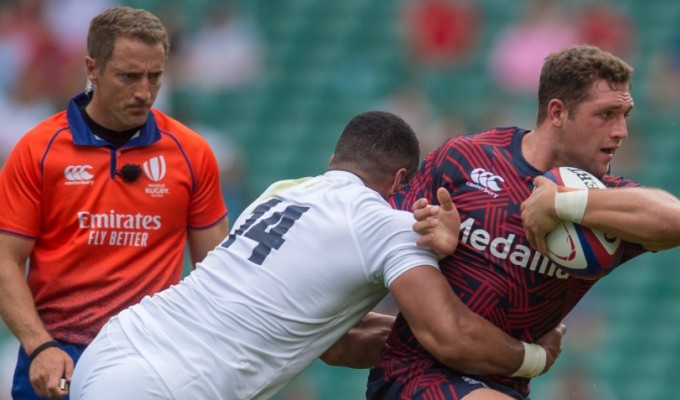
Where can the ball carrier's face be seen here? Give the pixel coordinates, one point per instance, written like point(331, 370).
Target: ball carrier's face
point(593, 130)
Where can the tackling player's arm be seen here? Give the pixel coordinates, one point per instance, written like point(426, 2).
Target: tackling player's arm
point(444, 325)
point(438, 227)
point(201, 241)
point(460, 338)
point(362, 345)
point(19, 313)
point(648, 216)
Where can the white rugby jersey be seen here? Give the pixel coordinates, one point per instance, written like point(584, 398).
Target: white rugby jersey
point(302, 265)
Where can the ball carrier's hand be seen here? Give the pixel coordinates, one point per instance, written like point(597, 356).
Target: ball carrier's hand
point(538, 213)
point(439, 226)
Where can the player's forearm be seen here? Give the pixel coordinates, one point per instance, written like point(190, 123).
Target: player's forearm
point(450, 331)
point(473, 345)
point(362, 345)
point(640, 215)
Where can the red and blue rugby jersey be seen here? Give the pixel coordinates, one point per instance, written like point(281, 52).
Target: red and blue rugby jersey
point(494, 270)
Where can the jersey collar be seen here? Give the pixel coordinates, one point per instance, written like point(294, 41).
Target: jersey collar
point(83, 136)
point(344, 175)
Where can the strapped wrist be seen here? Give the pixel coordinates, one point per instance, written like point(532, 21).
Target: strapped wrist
point(571, 205)
point(534, 361)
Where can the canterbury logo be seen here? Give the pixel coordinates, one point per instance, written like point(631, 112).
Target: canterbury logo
point(154, 168)
point(78, 173)
point(486, 179)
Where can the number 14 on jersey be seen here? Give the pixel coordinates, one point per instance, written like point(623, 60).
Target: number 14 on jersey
point(267, 232)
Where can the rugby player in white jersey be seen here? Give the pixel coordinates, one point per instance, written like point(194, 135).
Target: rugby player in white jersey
point(303, 266)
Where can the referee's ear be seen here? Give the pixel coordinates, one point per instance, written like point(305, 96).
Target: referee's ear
point(90, 68)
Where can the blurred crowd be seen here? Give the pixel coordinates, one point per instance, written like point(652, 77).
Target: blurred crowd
point(42, 45)
point(220, 53)
point(42, 50)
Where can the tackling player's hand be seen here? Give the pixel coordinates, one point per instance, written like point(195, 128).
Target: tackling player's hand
point(552, 343)
point(538, 213)
point(46, 371)
point(438, 226)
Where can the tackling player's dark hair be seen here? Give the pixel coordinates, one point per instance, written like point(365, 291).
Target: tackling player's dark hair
point(378, 143)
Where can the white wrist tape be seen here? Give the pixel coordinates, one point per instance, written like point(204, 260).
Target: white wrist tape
point(534, 361)
point(571, 205)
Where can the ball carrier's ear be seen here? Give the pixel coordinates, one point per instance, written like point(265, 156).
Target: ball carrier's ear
point(580, 251)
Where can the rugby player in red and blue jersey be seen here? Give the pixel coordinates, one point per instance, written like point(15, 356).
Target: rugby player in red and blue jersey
point(497, 269)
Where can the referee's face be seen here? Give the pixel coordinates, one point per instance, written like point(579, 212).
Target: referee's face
point(126, 87)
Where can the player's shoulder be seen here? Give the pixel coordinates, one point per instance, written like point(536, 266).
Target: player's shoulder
point(500, 136)
point(346, 190)
point(369, 205)
point(495, 137)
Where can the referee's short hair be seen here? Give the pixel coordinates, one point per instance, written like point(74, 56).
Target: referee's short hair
point(122, 21)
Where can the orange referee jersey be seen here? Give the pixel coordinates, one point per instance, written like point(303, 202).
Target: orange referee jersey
point(101, 243)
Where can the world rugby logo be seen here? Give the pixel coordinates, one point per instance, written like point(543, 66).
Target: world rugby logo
point(154, 168)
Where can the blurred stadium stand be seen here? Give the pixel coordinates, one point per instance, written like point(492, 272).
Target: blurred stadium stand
point(328, 60)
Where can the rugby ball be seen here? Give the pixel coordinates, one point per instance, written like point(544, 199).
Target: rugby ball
point(580, 251)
